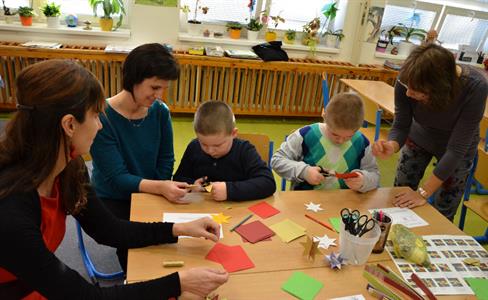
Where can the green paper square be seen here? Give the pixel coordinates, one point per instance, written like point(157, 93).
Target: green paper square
point(336, 223)
point(302, 286)
point(479, 287)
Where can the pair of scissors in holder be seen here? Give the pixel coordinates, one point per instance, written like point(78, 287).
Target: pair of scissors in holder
point(363, 225)
point(349, 218)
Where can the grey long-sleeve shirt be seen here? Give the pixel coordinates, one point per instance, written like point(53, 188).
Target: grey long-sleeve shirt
point(449, 135)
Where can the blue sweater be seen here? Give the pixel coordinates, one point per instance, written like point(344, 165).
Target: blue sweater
point(127, 151)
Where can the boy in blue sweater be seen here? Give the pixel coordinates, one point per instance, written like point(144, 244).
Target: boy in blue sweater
point(234, 168)
point(334, 145)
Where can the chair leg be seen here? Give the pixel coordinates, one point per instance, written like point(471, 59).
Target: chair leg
point(467, 193)
point(483, 239)
point(93, 273)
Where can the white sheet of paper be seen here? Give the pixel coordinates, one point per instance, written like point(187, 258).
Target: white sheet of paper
point(354, 297)
point(187, 217)
point(404, 216)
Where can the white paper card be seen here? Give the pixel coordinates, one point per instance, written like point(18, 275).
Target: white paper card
point(404, 216)
point(187, 217)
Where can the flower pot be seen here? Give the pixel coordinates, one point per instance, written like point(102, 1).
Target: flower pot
point(183, 22)
point(10, 19)
point(235, 33)
point(252, 35)
point(270, 36)
point(331, 41)
point(52, 22)
point(404, 48)
point(288, 41)
point(26, 21)
point(106, 24)
point(194, 28)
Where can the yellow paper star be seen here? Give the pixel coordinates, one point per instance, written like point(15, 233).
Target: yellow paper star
point(221, 218)
point(310, 248)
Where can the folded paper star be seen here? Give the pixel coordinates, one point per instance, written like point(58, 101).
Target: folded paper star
point(335, 261)
point(313, 207)
point(310, 248)
point(221, 218)
point(324, 242)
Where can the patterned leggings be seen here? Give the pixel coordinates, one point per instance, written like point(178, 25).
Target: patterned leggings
point(411, 167)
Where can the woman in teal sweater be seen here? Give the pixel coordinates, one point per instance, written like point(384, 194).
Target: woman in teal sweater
point(134, 150)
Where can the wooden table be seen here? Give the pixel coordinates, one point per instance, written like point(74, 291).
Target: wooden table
point(274, 260)
point(378, 96)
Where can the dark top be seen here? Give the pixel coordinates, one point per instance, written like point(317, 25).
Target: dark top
point(24, 254)
point(449, 134)
point(246, 175)
point(125, 152)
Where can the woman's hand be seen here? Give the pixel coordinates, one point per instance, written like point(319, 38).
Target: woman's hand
point(355, 183)
point(313, 176)
point(202, 281)
point(203, 227)
point(409, 199)
point(219, 191)
point(384, 149)
point(174, 191)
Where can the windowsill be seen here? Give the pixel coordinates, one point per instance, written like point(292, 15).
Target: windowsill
point(63, 29)
point(389, 56)
point(185, 37)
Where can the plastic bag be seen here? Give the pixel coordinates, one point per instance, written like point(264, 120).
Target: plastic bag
point(408, 245)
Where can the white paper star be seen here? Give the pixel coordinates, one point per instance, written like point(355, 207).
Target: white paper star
point(313, 207)
point(324, 242)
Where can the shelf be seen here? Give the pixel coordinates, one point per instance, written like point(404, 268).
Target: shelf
point(62, 29)
point(185, 37)
point(389, 56)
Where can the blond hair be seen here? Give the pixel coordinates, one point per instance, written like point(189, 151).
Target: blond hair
point(344, 111)
point(214, 117)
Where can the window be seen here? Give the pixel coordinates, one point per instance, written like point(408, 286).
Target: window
point(79, 7)
point(472, 32)
point(220, 10)
point(297, 13)
point(419, 18)
point(16, 3)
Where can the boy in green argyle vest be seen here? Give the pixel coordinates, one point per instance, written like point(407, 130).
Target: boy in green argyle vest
point(334, 145)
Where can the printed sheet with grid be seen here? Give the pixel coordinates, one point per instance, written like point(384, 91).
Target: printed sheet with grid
point(446, 274)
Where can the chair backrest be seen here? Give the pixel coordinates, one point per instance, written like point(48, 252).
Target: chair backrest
point(264, 146)
point(481, 172)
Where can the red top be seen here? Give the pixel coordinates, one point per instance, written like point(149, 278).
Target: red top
point(53, 227)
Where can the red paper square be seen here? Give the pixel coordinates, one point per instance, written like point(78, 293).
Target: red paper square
point(232, 258)
point(254, 231)
point(264, 210)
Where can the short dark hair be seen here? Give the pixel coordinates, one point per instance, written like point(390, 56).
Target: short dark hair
point(146, 61)
point(214, 117)
point(344, 111)
point(431, 69)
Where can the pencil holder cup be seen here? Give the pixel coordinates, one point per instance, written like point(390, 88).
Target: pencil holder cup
point(385, 229)
point(356, 249)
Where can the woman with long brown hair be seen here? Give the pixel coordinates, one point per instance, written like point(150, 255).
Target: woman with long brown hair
point(43, 178)
point(438, 108)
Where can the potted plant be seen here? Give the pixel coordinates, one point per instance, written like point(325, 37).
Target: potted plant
point(234, 29)
point(253, 28)
point(333, 38)
point(311, 35)
point(193, 24)
point(184, 10)
point(8, 14)
point(110, 9)
point(290, 36)
point(406, 46)
point(271, 34)
point(26, 13)
point(52, 12)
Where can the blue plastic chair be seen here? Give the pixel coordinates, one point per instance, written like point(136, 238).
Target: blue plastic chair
point(93, 273)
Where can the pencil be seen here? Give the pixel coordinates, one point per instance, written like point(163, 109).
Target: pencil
point(241, 222)
point(321, 223)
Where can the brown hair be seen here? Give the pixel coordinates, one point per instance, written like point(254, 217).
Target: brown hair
point(344, 111)
point(431, 69)
point(30, 146)
point(214, 117)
